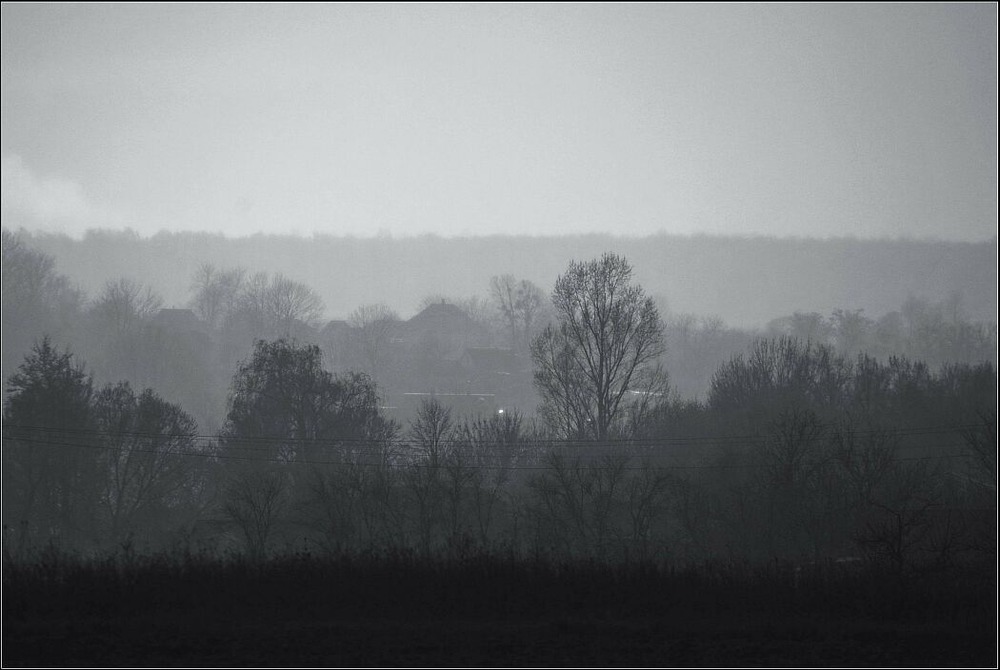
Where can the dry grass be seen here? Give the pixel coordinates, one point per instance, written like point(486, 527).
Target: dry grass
point(399, 609)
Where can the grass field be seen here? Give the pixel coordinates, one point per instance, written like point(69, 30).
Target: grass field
point(398, 609)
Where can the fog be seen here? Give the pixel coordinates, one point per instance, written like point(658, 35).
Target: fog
point(745, 281)
point(420, 408)
point(597, 335)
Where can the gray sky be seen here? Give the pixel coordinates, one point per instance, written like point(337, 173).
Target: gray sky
point(808, 120)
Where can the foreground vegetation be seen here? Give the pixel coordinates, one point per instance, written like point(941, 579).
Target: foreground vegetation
point(821, 506)
point(477, 608)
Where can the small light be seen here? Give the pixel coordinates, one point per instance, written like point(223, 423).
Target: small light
point(500, 411)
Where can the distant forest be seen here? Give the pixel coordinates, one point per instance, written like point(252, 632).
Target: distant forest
point(745, 281)
point(100, 296)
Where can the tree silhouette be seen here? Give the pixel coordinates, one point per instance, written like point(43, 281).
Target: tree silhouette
point(145, 460)
point(606, 345)
point(50, 469)
point(290, 408)
point(374, 325)
point(289, 422)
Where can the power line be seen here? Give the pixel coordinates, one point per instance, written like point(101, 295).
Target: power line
point(757, 438)
point(444, 465)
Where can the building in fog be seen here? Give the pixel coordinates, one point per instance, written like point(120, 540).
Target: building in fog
point(442, 330)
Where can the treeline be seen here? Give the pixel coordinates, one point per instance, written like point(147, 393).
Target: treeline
point(121, 334)
point(797, 454)
point(803, 446)
point(124, 334)
point(744, 281)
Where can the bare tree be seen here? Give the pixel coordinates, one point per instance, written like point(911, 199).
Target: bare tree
point(503, 289)
point(145, 441)
point(528, 304)
point(476, 308)
point(375, 325)
point(519, 303)
point(217, 293)
point(271, 307)
point(982, 440)
point(36, 300)
point(252, 307)
point(255, 500)
point(897, 522)
point(292, 301)
point(494, 445)
point(645, 496)
point(575, 499)
point(610, 335)
point(125, 304)
point(567, 396)
point(430, 431)
point(121, 315)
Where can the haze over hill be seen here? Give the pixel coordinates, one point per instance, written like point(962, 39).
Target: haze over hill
point(746, 281)
point(543, 309)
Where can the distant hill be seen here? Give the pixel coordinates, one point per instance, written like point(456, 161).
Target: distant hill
point(744, 280)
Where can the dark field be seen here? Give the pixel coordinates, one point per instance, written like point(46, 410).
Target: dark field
point(399, 610)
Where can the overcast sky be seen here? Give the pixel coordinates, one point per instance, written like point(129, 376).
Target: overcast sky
point(364, 119)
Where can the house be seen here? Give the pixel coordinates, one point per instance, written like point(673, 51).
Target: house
point(335, 328)
point(441, 330)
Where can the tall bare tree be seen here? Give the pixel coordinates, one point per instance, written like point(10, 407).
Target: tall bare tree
point(374, 325)
point(503, 290)
point(121, 316)
point(528, 303)
point(607, 344)
point(292, 301)
point(124, 305)
point(271, 307)
point(519, 303)
point(255, 501)
point(217, 293)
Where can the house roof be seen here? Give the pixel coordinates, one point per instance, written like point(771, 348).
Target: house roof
point(336, 325)
point(440, 311)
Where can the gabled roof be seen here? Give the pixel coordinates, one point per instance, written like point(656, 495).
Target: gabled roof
point(336, 326)
point(440, 311)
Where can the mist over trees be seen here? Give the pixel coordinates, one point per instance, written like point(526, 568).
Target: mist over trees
point(47, 411)
point(509, 443)
point(744, 281)
point(591, 422)
point(374, 326)
point(521, 305)
point(147, 449)
point(935, 332)
point(86, 469)
point(287, 417)
point(36, 299)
